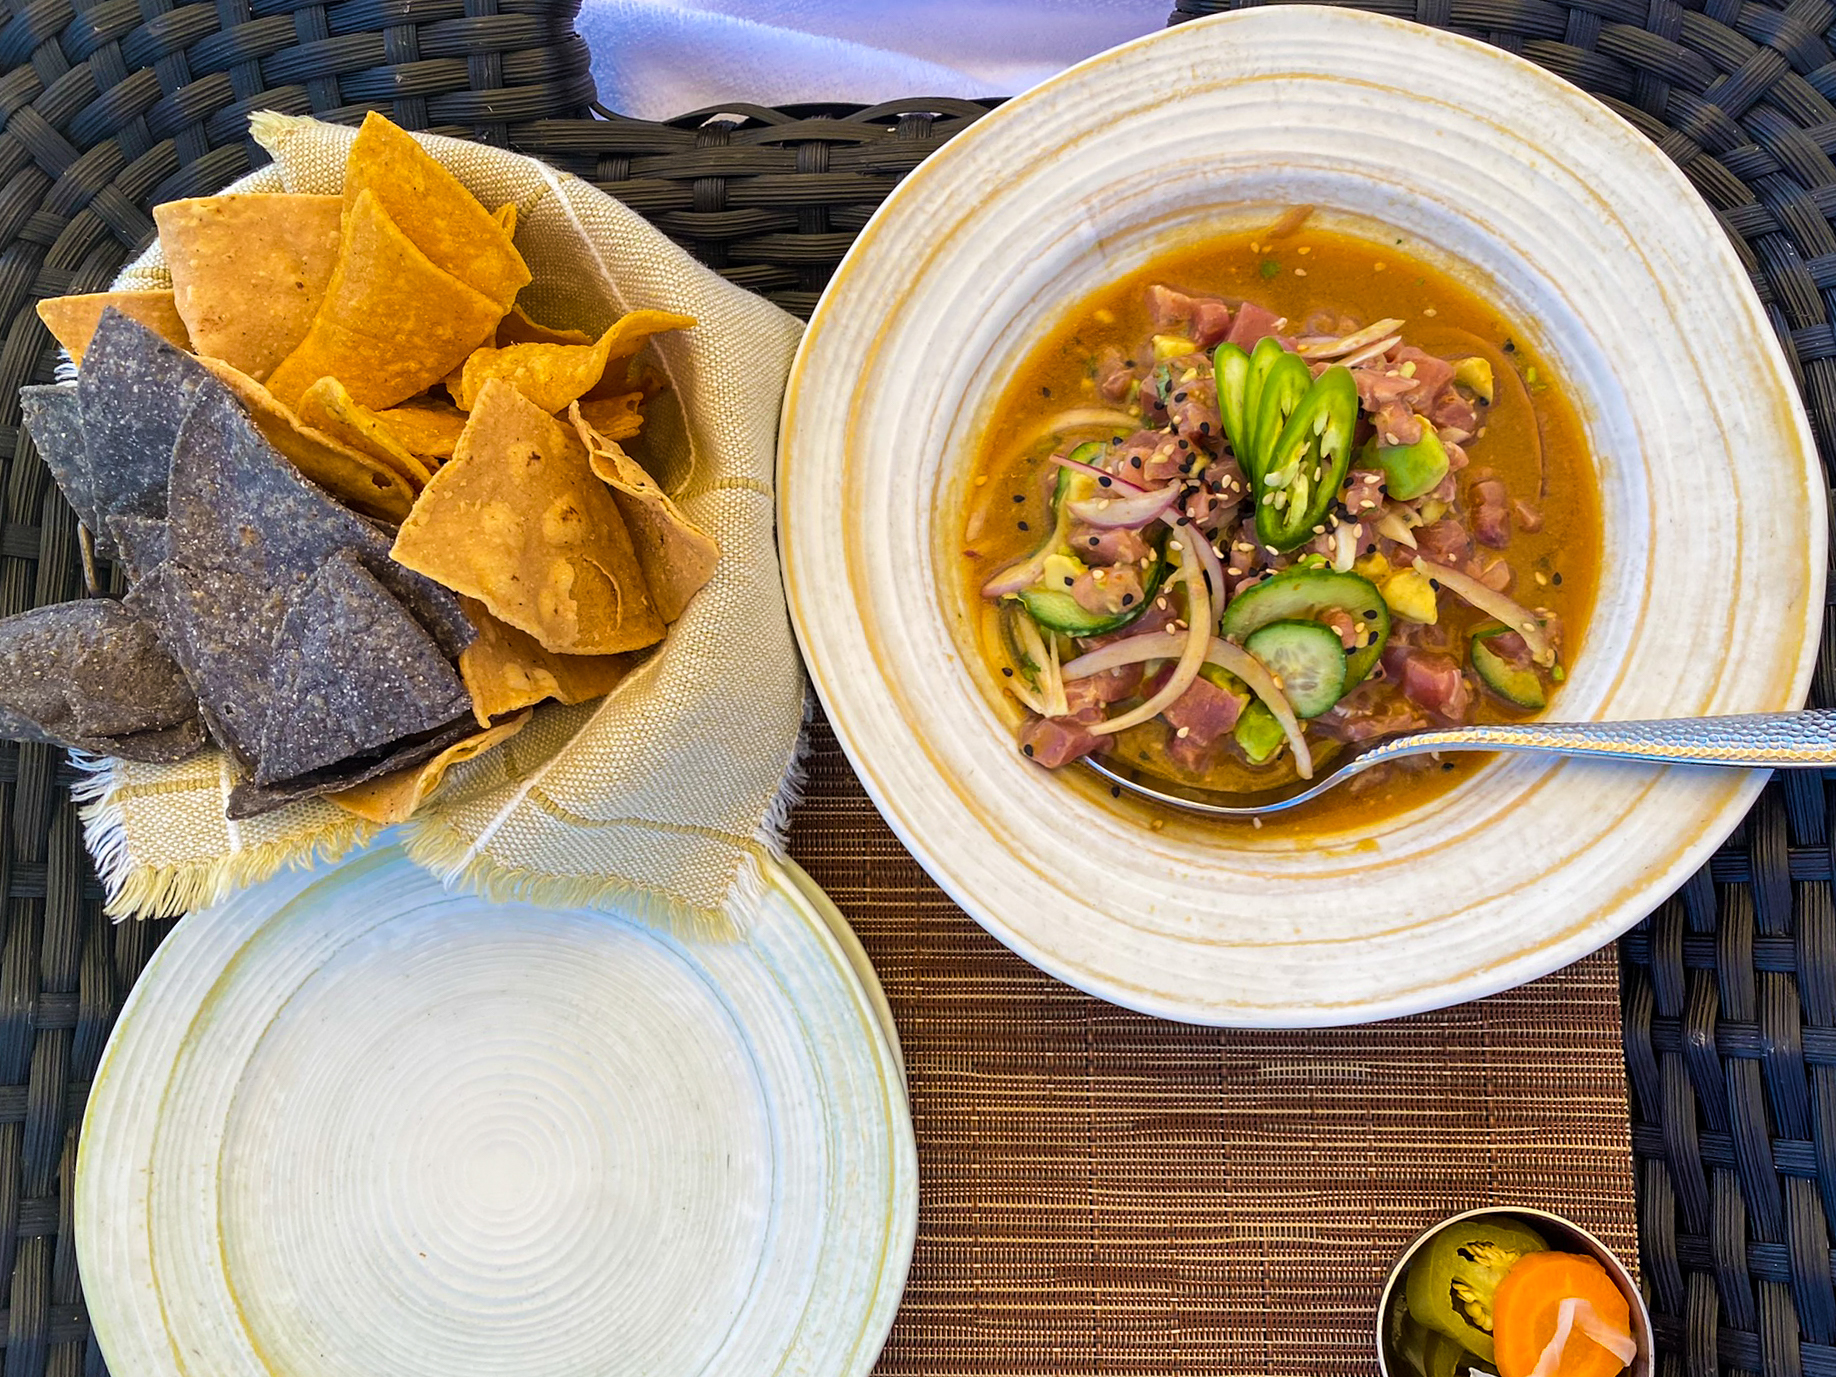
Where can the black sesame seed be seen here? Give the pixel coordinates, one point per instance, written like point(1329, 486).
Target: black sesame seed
point(1136, 461)
point(1204, 427)
point(1179, 396)
point(1019, 497)
point(1510, 347)
point(1435, 584)
point(1556, 579)
point(1045, 392)
point(1027, 750)
point(1096, 540)
point(1105, 482)
point(1447, 764)
point(1128, 363)
point(1127, 598)
point(1115, 791)
point(1024, 526)
point(1007, 672)
point(1371, 614)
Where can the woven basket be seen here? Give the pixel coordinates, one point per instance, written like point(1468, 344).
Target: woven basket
point(1730, 990)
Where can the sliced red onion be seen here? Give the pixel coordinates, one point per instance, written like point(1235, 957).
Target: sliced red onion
point(1109, 513)
point(1191, 660)
point(1494, 604)
point(1121, 487)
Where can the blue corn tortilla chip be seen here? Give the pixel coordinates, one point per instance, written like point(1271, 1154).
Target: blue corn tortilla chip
point(353, 672)
point(92, 675)
point(142, 543)
point(133, 392)
point(236, 501)
point(220, 626)
point(248, 799)
point(54, 417)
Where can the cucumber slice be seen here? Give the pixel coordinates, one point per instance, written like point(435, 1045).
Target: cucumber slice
point(1519, 687)
point(1259, 734)
point(1306, 659)
point(1056, 611)
point(1303, 593)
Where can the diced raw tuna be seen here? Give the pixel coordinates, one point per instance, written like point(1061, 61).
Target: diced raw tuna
point(1430, 681)
point(1363, 491)
point(1116, 546)
point(1491, 513)
point(1055, 741)
point(1444, 542)
point(1252, 323)
point(1107, 591)
point(1204, 711)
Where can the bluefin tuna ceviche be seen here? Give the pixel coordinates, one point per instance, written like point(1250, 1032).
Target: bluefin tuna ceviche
point(1271, 497)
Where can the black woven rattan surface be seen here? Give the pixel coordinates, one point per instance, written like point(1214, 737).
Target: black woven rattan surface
point(110, 107)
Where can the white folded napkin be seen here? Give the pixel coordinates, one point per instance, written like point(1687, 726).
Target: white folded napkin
point(655, 59)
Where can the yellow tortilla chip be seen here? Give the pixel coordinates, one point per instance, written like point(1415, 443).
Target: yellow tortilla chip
point(518, 328)
point(505, 669)
point(427, 426)
point(440, 217)
point(553, 375)
point(327, 406)
point(393, 797)
point(72, 319)
point(249, 271)
point(517, 520)
point(677, 556)
point(392, 323)
point(615, 418)
point(355, 479)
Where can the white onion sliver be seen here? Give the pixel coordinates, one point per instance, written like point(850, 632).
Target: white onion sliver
point(1346, 344)
point(1108, 513)
point(1392, 524)
point(1028, 699)
point(1198, 638)
point(1250, 670)
point(1191, 537)
point(1495, 604)
point(1022, 575)
point(1576, 1313)
point(1150, 645)
point(1120, 486)
point(1051, 682)
point(1375, 351)
point(1082, 418)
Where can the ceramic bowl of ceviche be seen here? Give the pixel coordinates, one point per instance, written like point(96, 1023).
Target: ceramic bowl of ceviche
point(1280, 383)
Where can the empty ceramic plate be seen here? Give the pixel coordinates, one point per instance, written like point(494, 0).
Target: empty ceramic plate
point(353, 1124)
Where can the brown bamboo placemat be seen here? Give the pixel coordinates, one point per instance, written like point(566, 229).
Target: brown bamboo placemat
point(1101, 1191)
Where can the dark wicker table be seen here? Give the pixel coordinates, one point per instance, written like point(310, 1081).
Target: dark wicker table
point(109, 107)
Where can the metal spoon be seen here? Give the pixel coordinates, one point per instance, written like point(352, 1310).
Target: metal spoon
point(1758, 741)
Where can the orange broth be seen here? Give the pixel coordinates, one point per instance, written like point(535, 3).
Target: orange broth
point(1531, 437)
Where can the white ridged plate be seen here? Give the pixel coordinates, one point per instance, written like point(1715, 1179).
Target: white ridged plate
point(1713, 503)
point(351, 1124)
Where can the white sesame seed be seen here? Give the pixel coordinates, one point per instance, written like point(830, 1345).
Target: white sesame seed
point(1183, 733)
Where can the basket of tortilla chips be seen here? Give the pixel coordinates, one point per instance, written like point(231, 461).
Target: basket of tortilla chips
point(373, 509)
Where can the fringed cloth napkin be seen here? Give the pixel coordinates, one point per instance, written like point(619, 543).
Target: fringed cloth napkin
point(669, 791)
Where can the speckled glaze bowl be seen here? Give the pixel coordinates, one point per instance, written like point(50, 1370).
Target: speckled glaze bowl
point(1553, 208)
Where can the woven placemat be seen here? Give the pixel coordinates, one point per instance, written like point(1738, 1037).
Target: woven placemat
point(1100, 1191)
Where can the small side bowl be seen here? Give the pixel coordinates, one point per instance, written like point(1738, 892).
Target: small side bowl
point(1564, 1236)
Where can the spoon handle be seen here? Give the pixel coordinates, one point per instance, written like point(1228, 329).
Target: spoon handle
point(1770, 740)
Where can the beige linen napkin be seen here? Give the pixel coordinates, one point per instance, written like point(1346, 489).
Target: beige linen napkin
point(670, 791)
